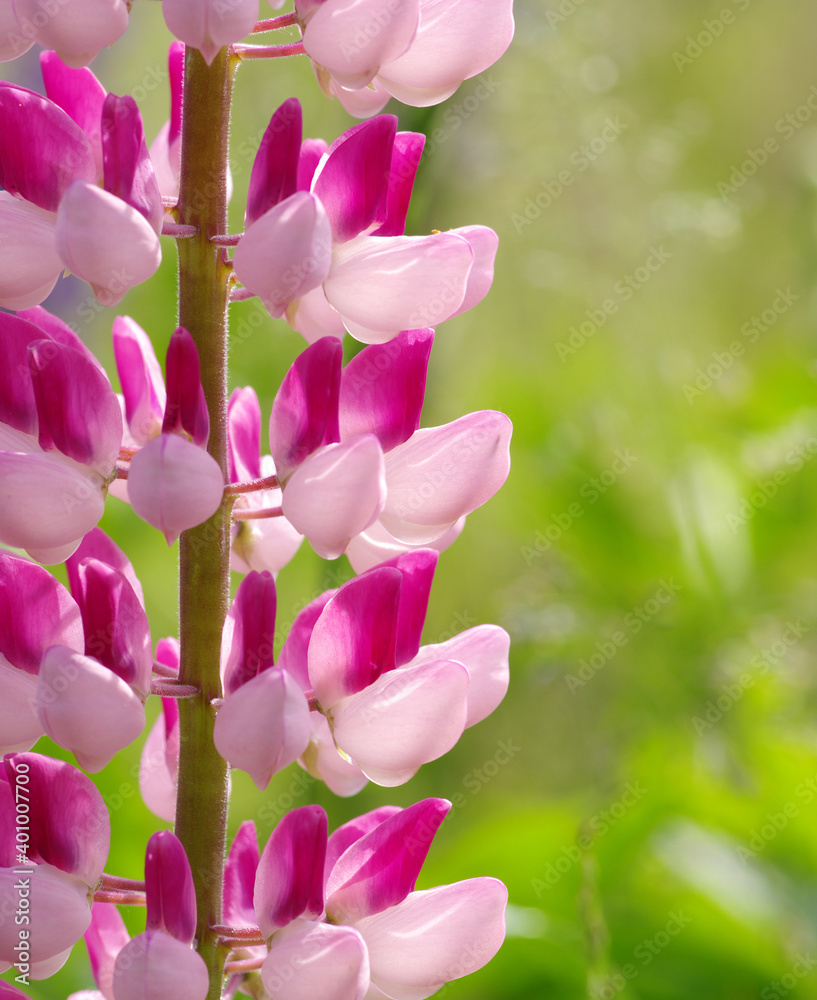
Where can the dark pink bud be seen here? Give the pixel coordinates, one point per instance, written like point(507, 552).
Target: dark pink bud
point(408, 148)
point(418, 573)
point(244, 435)
point(275, 170)
point(250, 631)
point(186, 412)
point(171, 898)
point(239, 877)
point(128, 171)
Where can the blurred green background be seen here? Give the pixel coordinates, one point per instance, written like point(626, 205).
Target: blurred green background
point(648, 788)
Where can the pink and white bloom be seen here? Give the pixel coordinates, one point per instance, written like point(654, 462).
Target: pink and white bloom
point(60, 432)
point(159, 763)
point(77, 29)
point(49, 167)
point(69, 839)
point(324, 243)
point(418, 51)
point(207, 25)
point(173, 483)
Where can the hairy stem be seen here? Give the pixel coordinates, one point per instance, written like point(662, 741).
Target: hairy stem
point(204, 551)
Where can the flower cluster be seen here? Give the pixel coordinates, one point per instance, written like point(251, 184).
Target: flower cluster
point(353, 695)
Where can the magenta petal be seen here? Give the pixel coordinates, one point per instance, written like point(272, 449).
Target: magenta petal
point(289, 880)
point(312, 151)
point(174, 485)
point(207, 25)
point(18, 406)
point(305, 409)
point(77, 29)
point(97, 545)
point(286, 252)
point(41, 150)
point(434, 936)
point(55, 329)
point(343, 838)
point(418, 573)
point(104, 939)
point(116, 626)
point(105, 241)
point(239, 877)
point(316, 960)
point(70, 828)
point(407, 718)
point(78, 413)
point(293, 655)
point(264, 725)
point(353, 38)
point(186, 409)
point(35, 612)
point(274, 173)
point(175, 69)
point(381, 868)
point(353, 641)
point(455, 41)
point(141, 376)
point(384, 284)
point(353, 184)
point(442, 473)
point(128, 172)
point(159, 762)
point(244, 435)
point(484, 652)
point(86, 708)
point(408, 148)
point(171, 897)
point(249, 631)
point(29, 264)
point(79, 94)
point(59, 905)
point(336, 493)
point(155, 966)
point(67, 503)
point(383, 387)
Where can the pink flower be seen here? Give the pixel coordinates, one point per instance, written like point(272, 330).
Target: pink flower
point(49, 166)
point(60, 431)
point(419, 51)
point(77, 29)
point(325, 247)
point(207, 25)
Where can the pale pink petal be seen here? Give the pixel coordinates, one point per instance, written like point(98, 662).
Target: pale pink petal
point(141, 376)
point(289, 878)
point(264, 725)
point(353, 640)
point(456, 40)
point(105, 241)
point(104, 939)
point(174, 485)
point(316, 960)
point(434, 936)
point(159, 763)
point(362, 103)
point(384, 284)
point(353, 38)
point(407, 718)
point(443, 473)
point(86, 708)
point(322, 760)
point(266, 543)
point(313, 317)
point(77, 29)
point(208, 25)
point(13, 43)
point(286, 253)
point(167, 161)
point(484, 651)
point(53, 556)
point(60, 908)
point(19, 722)
point(46, 503)
point(155, 966)
point(244, 435)
point(47, 968)
point(336, 493)
point(484, 242)
point(375, 545)
point(29, 263)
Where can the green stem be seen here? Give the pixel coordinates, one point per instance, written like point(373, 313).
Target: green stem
point(202, 801)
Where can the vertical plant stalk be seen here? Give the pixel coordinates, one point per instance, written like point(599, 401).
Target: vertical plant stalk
point(202, 801)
